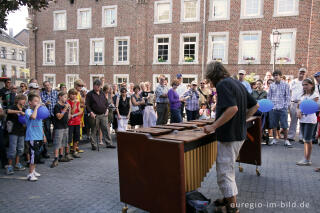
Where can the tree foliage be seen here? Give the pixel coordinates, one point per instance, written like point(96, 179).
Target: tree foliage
point(7, 6)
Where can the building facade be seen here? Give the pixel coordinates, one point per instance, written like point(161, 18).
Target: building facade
point(12, 58)
point(23, 37)
point(136, 40)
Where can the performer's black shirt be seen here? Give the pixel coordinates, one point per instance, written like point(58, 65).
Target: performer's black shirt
point(230, 93)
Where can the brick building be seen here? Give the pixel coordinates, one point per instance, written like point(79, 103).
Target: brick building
point(136, 40)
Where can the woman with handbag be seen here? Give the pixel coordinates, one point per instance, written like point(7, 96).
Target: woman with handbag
point(137, 106)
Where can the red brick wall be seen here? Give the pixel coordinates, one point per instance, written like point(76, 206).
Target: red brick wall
point(136, 20)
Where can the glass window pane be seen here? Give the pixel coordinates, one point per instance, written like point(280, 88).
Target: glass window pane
point(164, 12)
point(219, 8)
point(190, 9)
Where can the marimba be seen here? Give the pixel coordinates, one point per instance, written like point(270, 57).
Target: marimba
point(158, 165)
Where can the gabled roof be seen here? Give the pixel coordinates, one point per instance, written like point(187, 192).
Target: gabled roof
point(24, 30)
point(4, 37)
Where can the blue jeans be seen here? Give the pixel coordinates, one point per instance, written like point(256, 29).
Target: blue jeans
point(16, 146)
point(279, 115)
point(192, 115)
point(175, 116)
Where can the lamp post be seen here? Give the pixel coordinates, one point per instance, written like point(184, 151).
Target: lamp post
point(275, 42)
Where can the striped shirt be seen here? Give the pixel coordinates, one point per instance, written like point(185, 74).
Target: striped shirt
point(192, 103)
point(161, 90)
point(279, 94)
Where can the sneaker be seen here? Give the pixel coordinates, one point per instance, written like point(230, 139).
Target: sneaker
point(80, 150)
point(76, 155)
point(93, 147)
point(36, 173)
point(287, 143)
point(64, 159)
point(19, 167)
point(31, 177)
point(101, 143)
point(274, 141)
point(301, 141)
point(54, 163)
point(9, 170)
point(110, 146)
point(69, 157)
point(304, 162)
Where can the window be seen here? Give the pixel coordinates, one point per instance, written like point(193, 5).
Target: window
point(3, 53)
point(70, 79)
point(60, 20)
point(51, 78)
point(251, 9)
point(72, 52)
point(219, 10)
point(286, 51)
point(120, 78)
point(155, 80)
point(94, 77)
point(189, 48)
point(162, 49)
point(286, 7)
point(190, 10)
point(14, 71)
point(187, 79)
point(97, 51)
point(121, 50)
point(84, 18)
point(109, 16)
point(13, 54)
point(218, 43)
point(249, 47)
point(21, 55)
point(49, 52)
point(162, 12)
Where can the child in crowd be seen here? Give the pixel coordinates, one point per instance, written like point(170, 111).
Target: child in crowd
point(34, 133)
point(204, 112)
point(60, 141)
point(75, 120)
point(16, 134)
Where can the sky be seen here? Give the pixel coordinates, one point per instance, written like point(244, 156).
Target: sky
point(17, 20)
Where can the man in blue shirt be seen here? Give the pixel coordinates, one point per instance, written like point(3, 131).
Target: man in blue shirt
point(242, 75)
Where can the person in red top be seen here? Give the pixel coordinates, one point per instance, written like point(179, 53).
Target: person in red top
point(74, 122)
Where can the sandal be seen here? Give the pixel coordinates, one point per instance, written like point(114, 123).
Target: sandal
point(317, 169)
point(220, 202)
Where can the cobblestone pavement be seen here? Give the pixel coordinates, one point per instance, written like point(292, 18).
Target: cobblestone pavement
point(90, 184)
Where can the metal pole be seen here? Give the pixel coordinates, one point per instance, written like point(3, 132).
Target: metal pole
point(203, 37)
point(274, 57)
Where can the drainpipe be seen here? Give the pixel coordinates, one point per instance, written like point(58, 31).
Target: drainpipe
point(203, 38)
point(309, 39)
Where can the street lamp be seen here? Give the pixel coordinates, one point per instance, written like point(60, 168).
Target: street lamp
point(275, 42)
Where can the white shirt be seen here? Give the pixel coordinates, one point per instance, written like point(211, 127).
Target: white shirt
point(310, 118)
point(181, 89)
point(296, 90)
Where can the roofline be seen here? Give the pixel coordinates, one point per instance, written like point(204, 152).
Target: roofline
point(20, 33)
point(2, 31)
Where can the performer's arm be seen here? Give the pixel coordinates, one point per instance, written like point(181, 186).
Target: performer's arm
point(252, 110)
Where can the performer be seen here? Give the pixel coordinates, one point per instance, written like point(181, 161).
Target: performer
point(230, 127)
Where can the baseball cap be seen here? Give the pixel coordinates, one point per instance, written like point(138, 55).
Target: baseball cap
point(317, 74)
point(34, 86)
point(179, 75)
point(242, 72)
point(302, 69)
point(194, 83)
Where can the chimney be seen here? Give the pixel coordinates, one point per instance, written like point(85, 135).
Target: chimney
point(11, 32)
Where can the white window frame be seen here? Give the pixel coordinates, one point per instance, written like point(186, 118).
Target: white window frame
point(54, 20)
point(195, 76)
point(104, 8)
point(44, 53)
point(258, 59)
point(50, 75)
point(293, 49)
point(79, 18)
point(197, 18)
point(115, 57)
point(293, 13)
point(91, 80)
point(243, 10)
point(71, 75)
point(92, 51)
point(115, 76)
point(154, 80)
point(156, 21)
point(210, 45)
point(67, 51)
point(181, 51)
point(212, 18)
point(155, 49)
